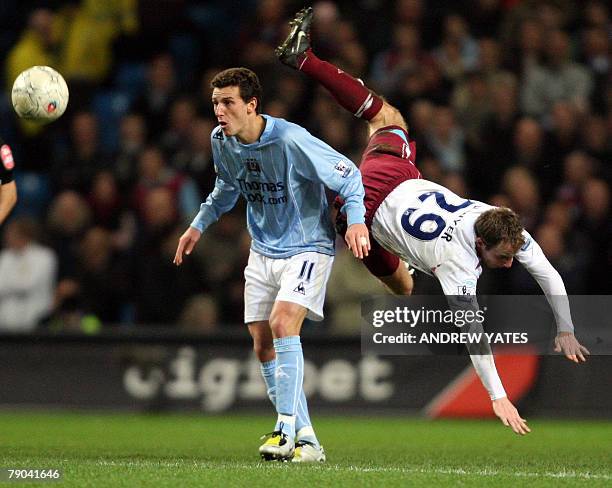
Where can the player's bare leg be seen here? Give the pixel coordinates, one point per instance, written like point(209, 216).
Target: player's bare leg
point(400, 282)
point(388, 115)
point(286, 319)
point(262, 340)
point(285, 322)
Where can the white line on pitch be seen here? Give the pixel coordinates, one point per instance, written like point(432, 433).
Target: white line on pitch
point(364, 469)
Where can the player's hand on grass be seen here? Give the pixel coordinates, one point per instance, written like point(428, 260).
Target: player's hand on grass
point(509, 415)
point(357, 239)
point(186, 244)
point(567, 343)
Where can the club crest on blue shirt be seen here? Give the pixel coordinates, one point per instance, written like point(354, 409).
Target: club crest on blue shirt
point(344, 168)
point(252, 165)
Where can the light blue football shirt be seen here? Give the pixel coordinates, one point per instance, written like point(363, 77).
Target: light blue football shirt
point(282, 177)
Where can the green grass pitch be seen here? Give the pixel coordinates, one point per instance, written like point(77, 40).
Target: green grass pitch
point(101, 450)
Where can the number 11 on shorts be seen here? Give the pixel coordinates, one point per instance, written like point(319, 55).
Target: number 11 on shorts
point(306, 271)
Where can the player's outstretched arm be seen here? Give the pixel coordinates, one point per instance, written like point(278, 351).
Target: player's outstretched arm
point(567, 343)
point(509, 415)
point(8, 188)
point(535, 262)
point(186, 244)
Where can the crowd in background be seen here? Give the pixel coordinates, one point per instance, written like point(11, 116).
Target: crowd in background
point(508, 101)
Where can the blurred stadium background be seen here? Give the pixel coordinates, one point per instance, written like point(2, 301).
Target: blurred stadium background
point(509, 101)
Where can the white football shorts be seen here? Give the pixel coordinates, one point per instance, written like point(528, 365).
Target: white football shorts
point(300, 279)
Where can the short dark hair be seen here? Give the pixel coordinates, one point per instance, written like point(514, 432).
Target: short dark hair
point(246, 80)
point(500, 224)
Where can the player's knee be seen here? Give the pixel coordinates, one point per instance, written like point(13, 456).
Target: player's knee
point(400, 282)
point(279, 325)
point(405, 288)
point(399, 287)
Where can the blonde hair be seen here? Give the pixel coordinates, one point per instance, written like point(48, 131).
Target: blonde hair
point(500, 224)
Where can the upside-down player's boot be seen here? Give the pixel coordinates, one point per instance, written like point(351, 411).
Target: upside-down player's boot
point(292, 51)
point(307, 452)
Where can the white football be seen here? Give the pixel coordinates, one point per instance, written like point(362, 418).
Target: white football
point(40, 93)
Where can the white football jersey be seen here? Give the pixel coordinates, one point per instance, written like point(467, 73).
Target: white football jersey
point(432, 229)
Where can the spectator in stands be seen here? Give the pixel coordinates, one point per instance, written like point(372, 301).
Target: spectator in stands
point(420, 122)
point(596, 141)
point(109, 210)
point(471, 103)
point(596, 51)
point(596, 222)
point(489, 59)
point(154, 173)
point(563, 136)
point(558, 79)
point(530, 149)
point(577, 170)
point(101, 285)
point(495, 154)
point(446, 140)
point(200, 315)
point(28, 272)
point(458, 52)
point(597, 14)
point(526, 50)
point(521, 187)
point(87, 64)
point(68, 219)
point(35, 46)
point(105, 201)
point(336, 132)
point(132, 141)
point(290, 89)
point(154, 104)
point(76, 169)
point(195, 159)
point(404, 56)
point(160, 289)
point(176, 136)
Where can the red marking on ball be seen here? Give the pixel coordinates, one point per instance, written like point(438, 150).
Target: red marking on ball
point(51, 107)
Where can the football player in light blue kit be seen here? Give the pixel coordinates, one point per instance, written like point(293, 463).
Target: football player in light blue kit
point(282, 171)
